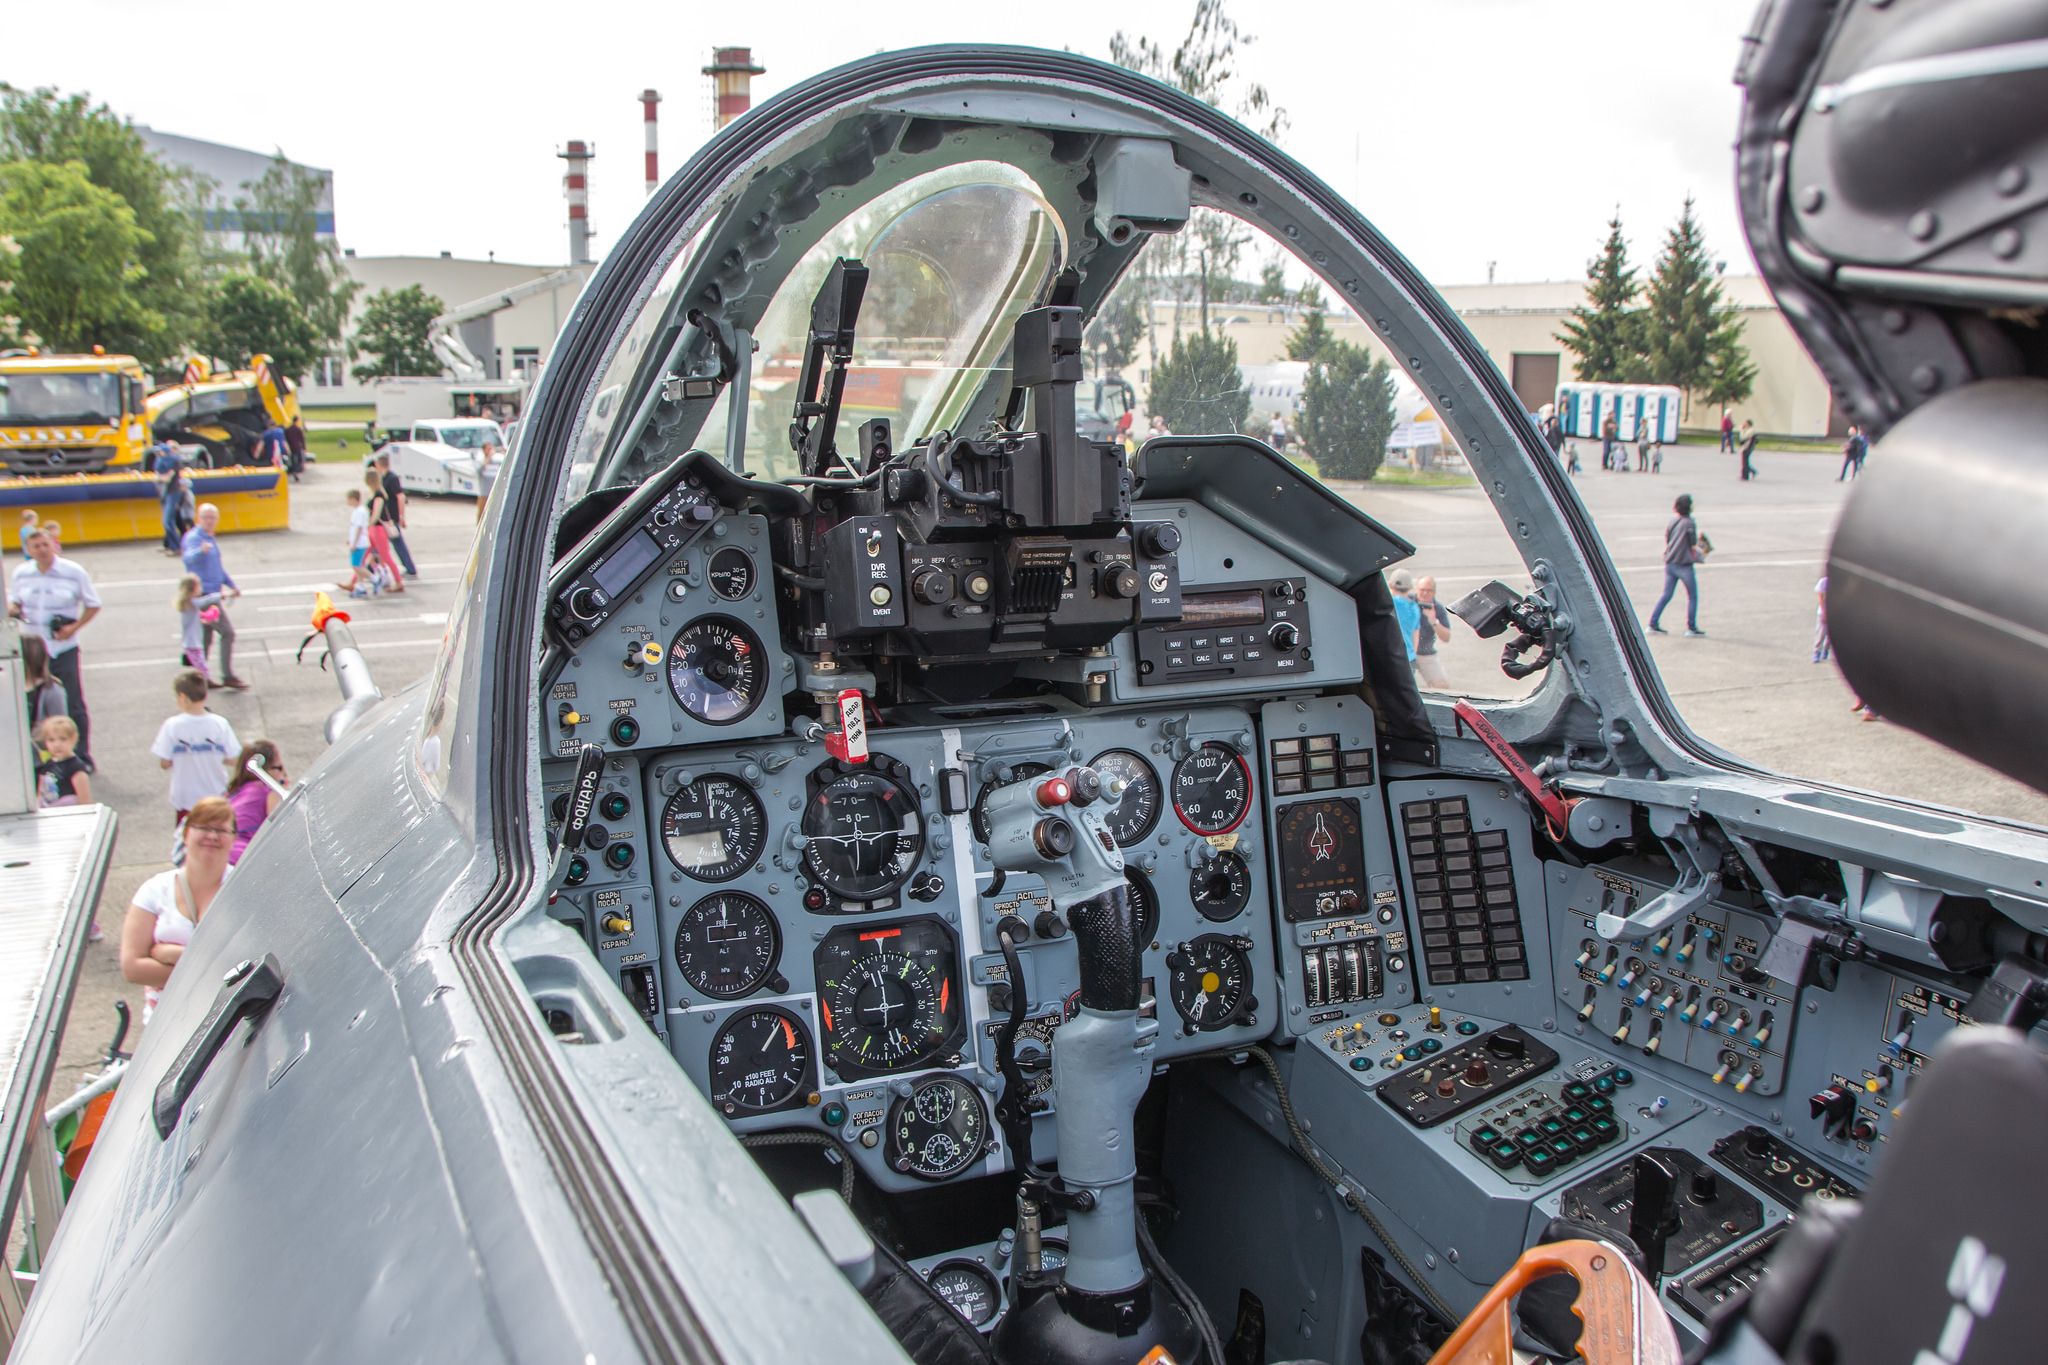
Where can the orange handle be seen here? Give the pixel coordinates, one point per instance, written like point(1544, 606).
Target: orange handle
point(324, 611)
point(1622, 1323)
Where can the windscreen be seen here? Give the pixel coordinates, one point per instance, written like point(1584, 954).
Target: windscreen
point(60, 398)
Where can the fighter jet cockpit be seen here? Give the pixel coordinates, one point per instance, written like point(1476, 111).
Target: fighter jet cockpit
point(1041, 842)
point(903, 857)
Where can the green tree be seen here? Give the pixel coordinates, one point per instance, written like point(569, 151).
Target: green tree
point(393, 333)
point(79, 256)
point(1604, 332)
point(1273, 284)
point(12, 333)
point(1117, 328)
point(247, 314)
point(1347, 411)
point(1691, 337)
point(280, 222)
point(1198, 388)
point(1311, 339)
point(43, 126)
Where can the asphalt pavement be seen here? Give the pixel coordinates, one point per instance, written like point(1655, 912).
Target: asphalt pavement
point(1749, 686)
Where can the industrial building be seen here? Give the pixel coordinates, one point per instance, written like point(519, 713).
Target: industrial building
point(223, 172)
point(1518, 324)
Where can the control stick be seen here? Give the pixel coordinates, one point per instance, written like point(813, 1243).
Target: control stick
point(1105, 1309)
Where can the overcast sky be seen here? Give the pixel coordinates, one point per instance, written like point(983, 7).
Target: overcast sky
point(1470, 131)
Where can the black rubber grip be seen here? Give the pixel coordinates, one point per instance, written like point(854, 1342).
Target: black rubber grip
point(1106, 932)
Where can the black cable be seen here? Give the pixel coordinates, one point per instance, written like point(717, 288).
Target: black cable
point(1355, 1202)
point(1212, 1345)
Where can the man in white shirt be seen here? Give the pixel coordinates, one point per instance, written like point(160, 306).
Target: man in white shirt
point(54, 599)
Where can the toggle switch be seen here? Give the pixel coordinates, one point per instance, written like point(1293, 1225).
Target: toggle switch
point(1662, 945)
point(1620, 1035)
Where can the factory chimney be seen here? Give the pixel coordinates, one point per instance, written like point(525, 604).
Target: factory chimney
point(732, 73)
point(576, 185)
point(648, 99)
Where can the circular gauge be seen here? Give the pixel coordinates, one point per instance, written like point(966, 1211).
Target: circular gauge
point(727, 945)
point(1137, 810)
point(1020, 773)
point(717, 670)
point(714, 828)
point(969, 1290)
point(1211, 982)
point(1145, 901)
point(885, 994)
point(935, 1148)
point(863, 831)
point(1221, 887)
point(1212, 789)
point(1052, 1255)
point(731, 573)
point(760, 1061)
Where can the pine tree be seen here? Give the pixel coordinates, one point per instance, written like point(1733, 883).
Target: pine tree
point(1310, 340)
point(1199, 389)
point(1603, 332)
point(1691, 337)
point(1347, 411)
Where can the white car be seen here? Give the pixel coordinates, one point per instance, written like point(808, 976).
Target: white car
point(446, 455)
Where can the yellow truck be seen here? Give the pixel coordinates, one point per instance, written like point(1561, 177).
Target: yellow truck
point(72, 414)
point(95, 414)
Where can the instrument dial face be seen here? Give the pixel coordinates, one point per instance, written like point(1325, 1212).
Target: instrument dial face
point(1020, 773)
point(714, 828)
point(1211, 982)
point(1221, 887)
point(970, 1290)
point(1136, 812)
point(887, 998)
point(939, 1131)
point(731, 573)
point(717, 670)
point(1212, 789)
point(863, 831)
point(727, 945)
point(1144, 901)
point(1322, 860)
point(760, 1062)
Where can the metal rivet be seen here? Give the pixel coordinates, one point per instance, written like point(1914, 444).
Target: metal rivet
point(1926, 378)
point(2011, 180)
point(1923, 225)
point(2006, 242)
point(1811, 198)
point(1897, 320)
point(237, 972)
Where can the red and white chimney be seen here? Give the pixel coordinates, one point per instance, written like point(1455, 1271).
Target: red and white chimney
point(732, 73)
point(576, 186)
point(648, 99)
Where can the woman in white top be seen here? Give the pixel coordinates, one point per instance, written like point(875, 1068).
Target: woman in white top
point(170, 905)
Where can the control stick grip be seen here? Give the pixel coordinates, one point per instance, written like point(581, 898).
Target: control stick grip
point(1106, 932)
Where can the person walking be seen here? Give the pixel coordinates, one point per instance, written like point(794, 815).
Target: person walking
point(1823, 645)
point(395, 512)
point(30, 521)
point(1747, 446)
point(1727, 433)
point(1684, 547)
point(1610, 436)
point(1853, 451)
point(168, 468)
point(55, 600)
point(168, 907)
point(203, 560)
point(1434, 630)
point(380, 533)
point(196, 609)
point(295, 449)
point(1645, 443)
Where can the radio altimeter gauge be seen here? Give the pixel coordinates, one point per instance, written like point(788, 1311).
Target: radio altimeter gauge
point(938, 1130)
point(760, 1062)
point(717, 670)
point(1212, 789)
point(863, 831)
point(887, 998)
point(727, 945)
point(1211, 982)
point(1136, 812)
point(714, 828)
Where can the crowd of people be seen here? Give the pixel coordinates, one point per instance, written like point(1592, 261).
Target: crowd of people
point(220, 790)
